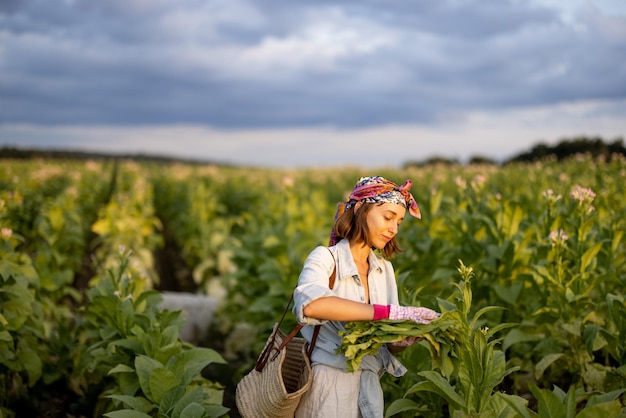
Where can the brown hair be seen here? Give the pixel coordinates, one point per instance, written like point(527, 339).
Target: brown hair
point(352, 225)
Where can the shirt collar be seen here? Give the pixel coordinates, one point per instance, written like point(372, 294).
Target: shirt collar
point(348, 266)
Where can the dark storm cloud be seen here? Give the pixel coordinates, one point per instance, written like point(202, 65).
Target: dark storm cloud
point(233, 63)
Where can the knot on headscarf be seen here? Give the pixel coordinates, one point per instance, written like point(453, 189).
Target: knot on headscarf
point(376, 189)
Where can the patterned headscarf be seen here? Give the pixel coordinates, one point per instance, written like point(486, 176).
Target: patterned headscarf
point(376, 189)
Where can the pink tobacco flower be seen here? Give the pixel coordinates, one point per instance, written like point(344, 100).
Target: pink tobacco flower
point(557, 237)
point(550, 196)
point(582, 194)
point(6, 233)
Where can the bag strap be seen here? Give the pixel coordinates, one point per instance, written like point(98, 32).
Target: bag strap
point(264, 357)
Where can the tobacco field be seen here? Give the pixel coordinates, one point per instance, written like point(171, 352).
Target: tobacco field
point(527, 260)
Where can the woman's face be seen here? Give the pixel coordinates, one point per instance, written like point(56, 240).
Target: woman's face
point(383, 222)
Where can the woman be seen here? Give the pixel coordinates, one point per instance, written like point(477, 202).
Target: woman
point(364, 289)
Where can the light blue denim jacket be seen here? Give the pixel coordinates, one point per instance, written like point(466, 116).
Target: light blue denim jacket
point(313, 284)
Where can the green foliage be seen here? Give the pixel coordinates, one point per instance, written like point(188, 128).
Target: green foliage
point(545, 240)
point(171, 389)
point(576, 404)
point(548, 252)
point(51, 337)
point(204, 233)
point(22, 335)
point(137, 344)
point(363, 338)
point(268, 247)
point(129, 220)
point(466, 366)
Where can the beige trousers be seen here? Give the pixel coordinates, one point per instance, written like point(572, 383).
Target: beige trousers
point(333, 394)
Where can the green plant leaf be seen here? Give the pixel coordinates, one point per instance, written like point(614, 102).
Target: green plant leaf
point(570, 401)
point(402, 405)
point(588, 256)
point(125, 315)
point(498, 328)
point(605, 397)
point(18, 307)
point(145, 366)
point(593, 338)
point(437, 384)
point(169, 400)
point(196, 359)
point(137, 403)
point(170, 335)
point(606, 409)
point(128, 383)
point(121, 368)
point(549, 404)
point(512, 219)
point(193, 410)
point(518, 404)
point(216, 411)
point(509, 293)
point(518, 335)
point(193, 396)
point(482, 312)
point(544, 363)
point(445, 305)
point(165, 353)
point(31, 362)
point(147, 298)
point(129, 344)
point(127, 413)
point(161, 381)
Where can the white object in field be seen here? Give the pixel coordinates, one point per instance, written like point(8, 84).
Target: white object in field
point(197, 310)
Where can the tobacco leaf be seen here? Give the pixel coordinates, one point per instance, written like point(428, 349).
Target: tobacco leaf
point(362, 338)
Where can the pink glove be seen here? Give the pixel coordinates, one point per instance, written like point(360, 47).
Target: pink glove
point(396, 312)
point(419, 315)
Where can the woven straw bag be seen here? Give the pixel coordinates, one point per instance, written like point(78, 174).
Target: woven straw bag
point(281, 376)
point(275, 390)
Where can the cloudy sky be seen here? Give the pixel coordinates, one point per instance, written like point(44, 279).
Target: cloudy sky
point(310, 83)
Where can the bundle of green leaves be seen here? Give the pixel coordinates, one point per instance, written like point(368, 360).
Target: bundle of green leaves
point(362, 338)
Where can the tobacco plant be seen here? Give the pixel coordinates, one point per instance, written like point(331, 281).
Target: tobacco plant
point(466, 373)
point(574, 404)
point(136, 350)
point(22, 335)
point(128, 219)
point(546, 241)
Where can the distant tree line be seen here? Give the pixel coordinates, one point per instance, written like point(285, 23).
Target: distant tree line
point(11, 152)
point(566, 148)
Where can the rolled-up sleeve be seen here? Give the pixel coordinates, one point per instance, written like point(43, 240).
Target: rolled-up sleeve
point(313, 283)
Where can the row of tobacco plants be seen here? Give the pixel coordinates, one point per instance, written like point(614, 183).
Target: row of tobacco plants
point(529, 260)
point(81, 330)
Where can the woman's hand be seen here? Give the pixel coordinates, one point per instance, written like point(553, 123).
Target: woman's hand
point(399, 346)
point(408, 341)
